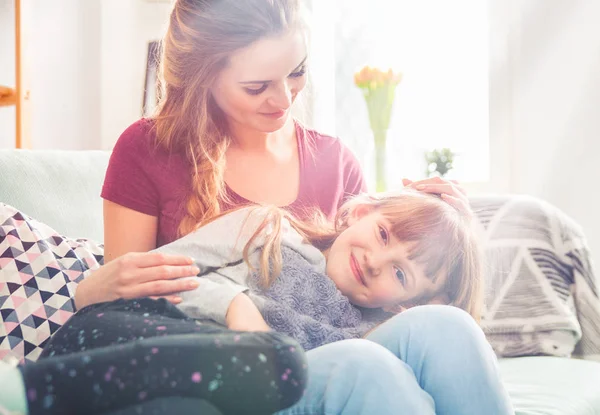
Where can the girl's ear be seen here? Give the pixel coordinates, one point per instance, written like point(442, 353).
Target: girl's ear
point(357, 213)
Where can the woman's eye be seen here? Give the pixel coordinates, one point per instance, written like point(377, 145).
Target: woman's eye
point(299, 73)
point(400, 275)
point(258, 91)
point(384, 235)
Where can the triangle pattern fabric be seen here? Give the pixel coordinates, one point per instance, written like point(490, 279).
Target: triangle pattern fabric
point(27, 246)
point(34, 285)
point(53, 326)
point(38, 321)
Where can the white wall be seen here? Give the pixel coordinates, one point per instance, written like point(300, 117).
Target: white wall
point(87, 68)
point(7, 71)
point(64, 74)
point(552, 107)
point(127, 27)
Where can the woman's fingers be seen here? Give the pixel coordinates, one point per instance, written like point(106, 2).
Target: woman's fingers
point(433, 181)
point(154, 259)
point(442, 188)
point(458, 203)
point(449, 190)
point(160, 288)
point(173, 299)
point(164, 272)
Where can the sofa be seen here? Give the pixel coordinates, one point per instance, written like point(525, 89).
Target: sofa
point(545, 360)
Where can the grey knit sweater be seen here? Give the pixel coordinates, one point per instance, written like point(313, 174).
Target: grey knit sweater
point(303, 302)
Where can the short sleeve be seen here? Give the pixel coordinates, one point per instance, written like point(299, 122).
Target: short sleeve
point(354, 180)
point(128, 181)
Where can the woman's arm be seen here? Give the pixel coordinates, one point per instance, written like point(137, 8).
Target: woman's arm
point(130, 271)
point(126, 230)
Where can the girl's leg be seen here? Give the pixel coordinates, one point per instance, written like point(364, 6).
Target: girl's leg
point(120, 322)
point(450, 358)
point(357, 377)
point(238, 373)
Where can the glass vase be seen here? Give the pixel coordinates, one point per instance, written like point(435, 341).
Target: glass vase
point(380, 158)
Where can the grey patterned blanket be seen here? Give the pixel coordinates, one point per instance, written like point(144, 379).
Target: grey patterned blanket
point(542, 296)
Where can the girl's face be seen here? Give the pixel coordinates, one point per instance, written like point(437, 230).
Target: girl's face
point(372, 268)
point(260, 84)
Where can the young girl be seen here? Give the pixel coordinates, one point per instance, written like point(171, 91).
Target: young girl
point(325, 285)
point(320, 282)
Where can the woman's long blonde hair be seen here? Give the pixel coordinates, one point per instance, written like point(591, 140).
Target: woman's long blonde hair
point(201, 36)
point(442, 239)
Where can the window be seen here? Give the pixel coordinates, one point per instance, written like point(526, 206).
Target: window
point(441, 48)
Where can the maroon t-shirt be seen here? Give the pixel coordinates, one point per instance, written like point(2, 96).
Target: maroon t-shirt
point(148, 179)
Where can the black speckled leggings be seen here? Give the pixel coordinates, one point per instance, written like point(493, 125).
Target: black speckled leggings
point(122, 354)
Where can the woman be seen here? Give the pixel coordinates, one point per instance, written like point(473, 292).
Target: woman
point(212, 148)
point(223, 136)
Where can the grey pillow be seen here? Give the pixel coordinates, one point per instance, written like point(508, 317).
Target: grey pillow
point(541, 290)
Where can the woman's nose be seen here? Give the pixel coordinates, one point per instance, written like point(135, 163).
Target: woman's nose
point(282, 98)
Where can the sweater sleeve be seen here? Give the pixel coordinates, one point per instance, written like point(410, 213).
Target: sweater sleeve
point(217, 249)
point(221, 242)
point(212, 298)
point(354, 181)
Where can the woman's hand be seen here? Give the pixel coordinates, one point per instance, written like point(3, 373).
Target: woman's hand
point(243, 315)
point(449, 190)
point(134, 275)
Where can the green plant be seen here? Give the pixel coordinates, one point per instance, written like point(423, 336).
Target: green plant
point(439, 162)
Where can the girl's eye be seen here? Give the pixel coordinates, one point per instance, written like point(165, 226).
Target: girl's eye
point(258, 91)
point(384, 235)
point(400, 275)
point(298, 74)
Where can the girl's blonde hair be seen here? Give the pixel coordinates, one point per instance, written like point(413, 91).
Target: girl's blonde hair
point(200, 38)
point(441, 238)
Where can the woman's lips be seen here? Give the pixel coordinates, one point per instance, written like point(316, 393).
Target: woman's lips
point(275, 115)
point(356, 270)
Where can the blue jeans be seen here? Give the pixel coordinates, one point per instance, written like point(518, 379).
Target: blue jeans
point(427, 360)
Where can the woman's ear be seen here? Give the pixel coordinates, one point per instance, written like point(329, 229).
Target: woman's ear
point(358, 212)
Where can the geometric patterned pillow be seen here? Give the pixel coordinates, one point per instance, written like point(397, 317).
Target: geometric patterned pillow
point(39, 270)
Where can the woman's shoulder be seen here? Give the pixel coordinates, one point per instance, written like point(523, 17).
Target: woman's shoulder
point(326, 147)
point(138, 136)
point(138, 144)
point(318, 139)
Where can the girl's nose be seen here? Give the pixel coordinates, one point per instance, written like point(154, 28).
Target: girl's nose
point(372, 264)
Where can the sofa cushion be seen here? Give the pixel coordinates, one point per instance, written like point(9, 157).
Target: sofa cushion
point(550, 385)
point(58, 188)
point(39, 270)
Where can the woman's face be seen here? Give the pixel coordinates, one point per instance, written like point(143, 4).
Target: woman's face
point(260, 84)
point(373, 268)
